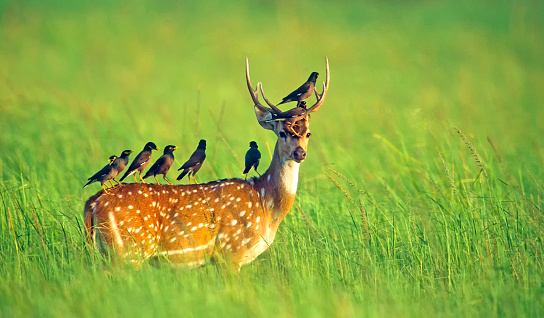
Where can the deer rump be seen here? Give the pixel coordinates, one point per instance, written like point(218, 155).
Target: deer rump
point(188, 224)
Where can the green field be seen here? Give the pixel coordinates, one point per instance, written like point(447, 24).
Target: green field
point(423, 190)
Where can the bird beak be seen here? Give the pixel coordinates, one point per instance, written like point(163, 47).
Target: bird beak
point(131, 151)
point(157, 148)
point(176, 148)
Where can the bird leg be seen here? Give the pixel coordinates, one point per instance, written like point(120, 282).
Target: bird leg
point(164, 177)
point(112, 185)
point(290, 126)
point(140, 175)
point(246, 177)
point(135, 180)
point(118, 183)
point(257, 172)
point(105, 189)
point(156, 179)
point(194, 178)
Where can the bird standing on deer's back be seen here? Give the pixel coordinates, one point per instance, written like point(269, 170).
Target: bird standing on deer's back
point(140, 162)
point(303, 92)
point(253, 156)
point(162, 165)
point(122, 163)
point(195, 162)
point(104, 175)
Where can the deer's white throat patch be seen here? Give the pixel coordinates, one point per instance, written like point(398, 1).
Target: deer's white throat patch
point(290, 175)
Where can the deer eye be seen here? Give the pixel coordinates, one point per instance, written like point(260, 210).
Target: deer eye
point(308, 135)
point(282, 134)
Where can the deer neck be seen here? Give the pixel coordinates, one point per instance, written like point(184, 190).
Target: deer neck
point(278, 186)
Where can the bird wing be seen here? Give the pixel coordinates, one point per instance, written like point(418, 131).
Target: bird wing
point(156, 166)
point(196, 158)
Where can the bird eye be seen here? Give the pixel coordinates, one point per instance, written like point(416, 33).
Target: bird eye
point(308, 135)
point(282, 134)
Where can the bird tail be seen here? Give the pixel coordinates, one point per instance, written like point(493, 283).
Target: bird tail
point(281, 103)
point(246, 170)
point(183, 173)
point(91, 181)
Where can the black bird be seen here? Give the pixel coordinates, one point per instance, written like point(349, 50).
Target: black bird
point(195, 162)
point(162, 165)
point(297, 112)
point(104, 175)
point(140, 162)
point(304, 91)
point(253, 156)
point(121, 163)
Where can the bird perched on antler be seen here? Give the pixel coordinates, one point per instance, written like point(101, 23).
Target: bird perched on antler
point(121, 163)
point(194, 163)
point(162, 165)
point(253, 156)
point(303, 92)
point(104, 175)
point(140, 162)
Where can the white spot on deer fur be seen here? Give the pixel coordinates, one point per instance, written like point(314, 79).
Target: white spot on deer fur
point(249, 224)
point(231, 198)
point(258, 219)
point(145, 195)
point(188, 206)
point(223, 206)
point(238, 199)
point(106, 204)
point(138, 211)
point(193, 228)
point(130, 207)
point(222, 184)
point(121, 223)
point(239, 231)
point(251, 181)
point(150, 189)
point(234, 222)
point(173, 240)
point(120, 196)
point(263, 192)
point(201, 225)
point(194, 191)
point(145, 218)
point(189, 224)
point(242, 185)
point(130, 193)
point(257, 227)
point(242, 213)
point(140, 191)
point(118, 208)
point(257, 204)
point(249, 204)
point(115, 230)
point(196, 203)
point(154, 203)
point(268, 179)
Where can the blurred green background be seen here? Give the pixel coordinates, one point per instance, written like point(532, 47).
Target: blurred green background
point(421, 194)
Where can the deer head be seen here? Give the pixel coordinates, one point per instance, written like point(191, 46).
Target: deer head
point(293, 135)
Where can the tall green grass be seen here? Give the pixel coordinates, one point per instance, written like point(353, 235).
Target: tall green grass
point(421, 195)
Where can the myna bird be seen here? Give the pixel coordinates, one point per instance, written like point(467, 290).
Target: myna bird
point(253, 156)
point(162, 165)
point(140, 162)
point(121, 163)
point(304, 91)
point(195, 162)
point(104, 175)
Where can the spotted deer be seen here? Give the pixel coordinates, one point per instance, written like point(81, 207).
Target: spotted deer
point(230, 220)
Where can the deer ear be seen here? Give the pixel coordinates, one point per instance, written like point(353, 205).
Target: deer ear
point(263, 115)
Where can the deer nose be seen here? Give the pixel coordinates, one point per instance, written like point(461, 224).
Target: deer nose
point(299, 154)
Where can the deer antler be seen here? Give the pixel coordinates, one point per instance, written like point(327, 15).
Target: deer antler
point(255, 95)
point(254, 92)
point(321, 97)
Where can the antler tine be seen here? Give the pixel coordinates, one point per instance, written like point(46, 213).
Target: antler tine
point(274, 108)
point(253, 92)
point(321, 97)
